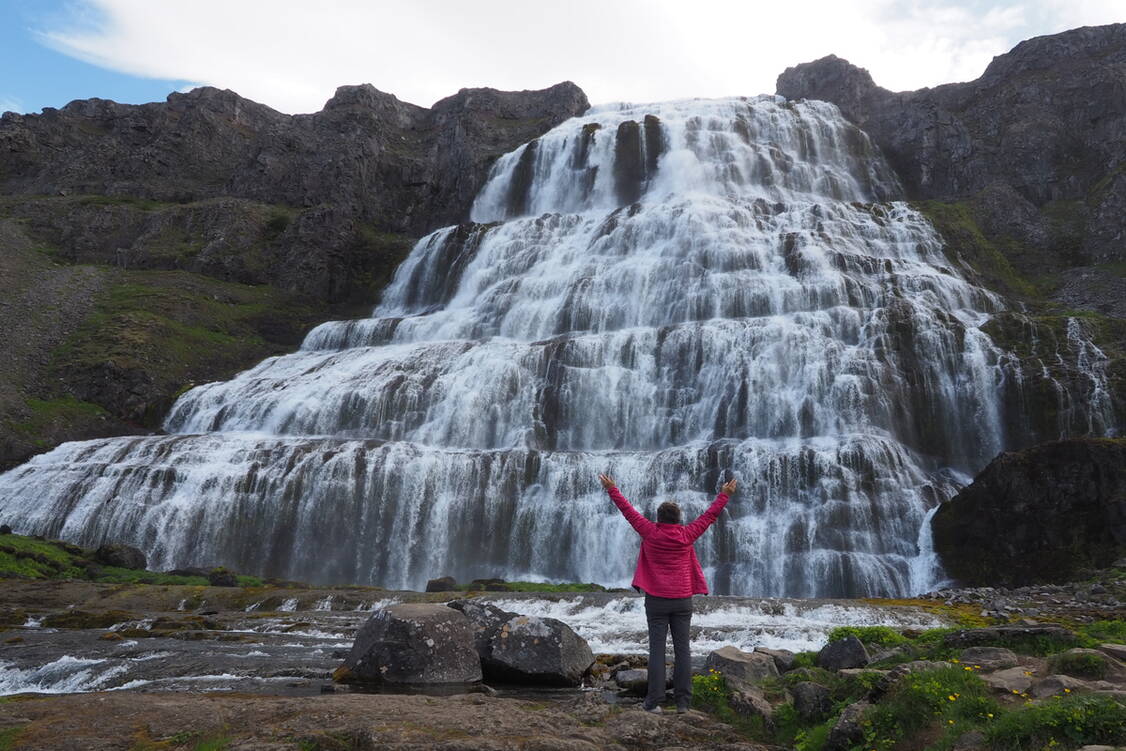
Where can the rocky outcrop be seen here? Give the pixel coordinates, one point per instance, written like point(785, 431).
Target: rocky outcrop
point(1034, 146)
point(1038, 515)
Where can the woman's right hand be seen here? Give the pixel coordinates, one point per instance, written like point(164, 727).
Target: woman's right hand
point(729, 487)
point(607, 481)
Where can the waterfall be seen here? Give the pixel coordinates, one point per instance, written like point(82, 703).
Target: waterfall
point(665, 293)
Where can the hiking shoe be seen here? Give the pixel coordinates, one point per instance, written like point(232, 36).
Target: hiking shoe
point(681, 707)
point(654, 709)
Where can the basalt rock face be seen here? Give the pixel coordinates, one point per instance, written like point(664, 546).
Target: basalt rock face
point(1038, 515)
point(408, 168)
point(1035, 147)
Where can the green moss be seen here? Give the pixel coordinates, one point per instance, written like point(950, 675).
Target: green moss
point(9, 737)
point(45, 414)
point(144, 204)
point(115, 575)
point(377, 255)
point(966, 244)
point(1113, 632)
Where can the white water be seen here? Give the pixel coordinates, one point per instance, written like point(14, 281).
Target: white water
point(723, 288)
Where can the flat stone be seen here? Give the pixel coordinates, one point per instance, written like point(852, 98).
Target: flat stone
point(1009, 681)
point(1059, 684)
point(990, 658)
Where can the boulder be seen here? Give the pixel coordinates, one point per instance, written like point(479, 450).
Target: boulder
point(811, 701)
point(783, 658)
point(444, 584)
point(848, 652)
point(121, 556)
point(484, 618)
point(413, 644)
point(749, 702)
point(741, 668)
point(1117, 651)
point(221, 577)
point(989, 658)
point(1060, 684)
point(542, 651)
point(1010, 681)
point(847, 730)
point(5, 529)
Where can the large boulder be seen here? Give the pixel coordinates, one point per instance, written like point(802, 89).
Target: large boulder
point(848, 730)
point(121, 556)
point(1037, 515)
point(413, 644)
point(990, 658)
point(848, 652)
point(741, 668)
point(784, 659)
point(541, 651)
point(812, 701)
point(484, 618)
point(442, 584)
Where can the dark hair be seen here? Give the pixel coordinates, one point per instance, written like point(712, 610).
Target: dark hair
point(668, 513)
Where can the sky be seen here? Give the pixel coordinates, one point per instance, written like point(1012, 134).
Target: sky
point(292, 54)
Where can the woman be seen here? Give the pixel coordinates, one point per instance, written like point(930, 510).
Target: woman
point(669, 574)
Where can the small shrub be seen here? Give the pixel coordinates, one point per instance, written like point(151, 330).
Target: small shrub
point(710, 693)
point(1079, 664)
point(881, 635)
point(805, 660)
point(1070, 722)
point(1106, 631)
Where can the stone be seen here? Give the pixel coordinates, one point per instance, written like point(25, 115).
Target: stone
point(1059, 684)
point(5, 529)
point(848, 652)
point(847, 731)
point(484, 617)
point(1010, 680)
point(989, 658)
point(750, 703)
point(121, 556)
point(739, 668)
point(811, 701)
point(783, 658)
point(1117, 651)
point(221, 577)
point(636, 681)
point(444, 584)
point(413, 644)
point(541, 651)
point(970, 741)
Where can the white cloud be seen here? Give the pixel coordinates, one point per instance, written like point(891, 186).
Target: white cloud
point(10, 104)
point(292, 54)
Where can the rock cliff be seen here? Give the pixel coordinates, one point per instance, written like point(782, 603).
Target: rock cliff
point(147, 247)
point(1035, 149)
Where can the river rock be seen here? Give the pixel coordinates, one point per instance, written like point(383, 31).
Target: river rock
point(635, 681)
point(848, 652)
point(121, 556)
point(749, 702)
point(542, 651)
point(221, 577)
point(811, 701)
point(847, 730)
point(413, 644)
point(741, 668)
point(989, 658)
point(484, 617)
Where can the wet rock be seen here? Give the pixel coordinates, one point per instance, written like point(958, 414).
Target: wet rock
point(121, 556)
point(740, 668)
point(811, 701)
point(542, 651)
point(85, 619)
point(413, 644)
point(989, 658)
point(443, 584)
point(783, 658)
point(843, 653)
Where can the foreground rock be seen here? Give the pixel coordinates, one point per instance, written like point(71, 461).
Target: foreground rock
point(116, 720)
point(741, 668)
point(543, 651)
point(1037, 515)
point(413, 644)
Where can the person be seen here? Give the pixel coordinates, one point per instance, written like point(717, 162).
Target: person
point(669, 573)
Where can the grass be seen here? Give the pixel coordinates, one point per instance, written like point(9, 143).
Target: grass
point(1080, 665)
point(9, 737)
point(883, 636)
point(46, 414)
point(1063, 723)
point(519, 586)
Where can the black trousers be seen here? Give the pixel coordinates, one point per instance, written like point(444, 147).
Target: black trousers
point(665, 614)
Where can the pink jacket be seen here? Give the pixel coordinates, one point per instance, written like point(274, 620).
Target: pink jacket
point(667, 565)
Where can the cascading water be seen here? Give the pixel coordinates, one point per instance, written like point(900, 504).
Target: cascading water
point(663, 293)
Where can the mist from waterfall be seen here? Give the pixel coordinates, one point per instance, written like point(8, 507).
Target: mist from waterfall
point(663, 292)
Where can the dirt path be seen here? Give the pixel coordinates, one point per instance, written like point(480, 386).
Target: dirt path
point(126, 720)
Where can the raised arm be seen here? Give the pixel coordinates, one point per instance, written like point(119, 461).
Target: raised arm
point(643, 526)
point(706, 519)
